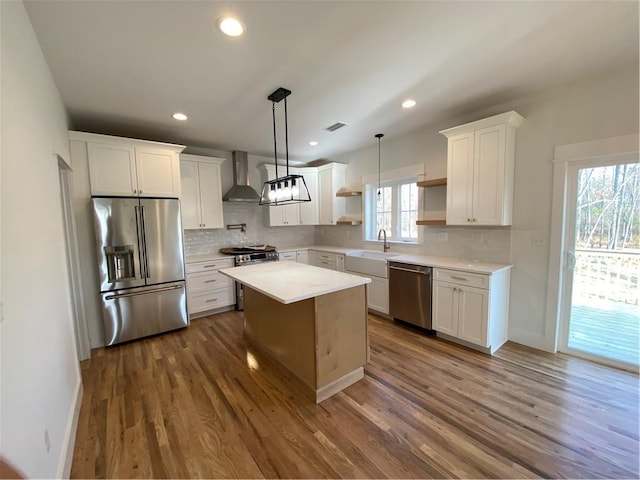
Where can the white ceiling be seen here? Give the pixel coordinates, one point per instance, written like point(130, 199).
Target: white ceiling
point(124, 67)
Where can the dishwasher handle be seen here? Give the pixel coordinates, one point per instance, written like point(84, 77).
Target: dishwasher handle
point(416, 269)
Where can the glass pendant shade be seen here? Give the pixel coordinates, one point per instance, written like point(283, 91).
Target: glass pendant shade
point(290, 188)
point(285, 191)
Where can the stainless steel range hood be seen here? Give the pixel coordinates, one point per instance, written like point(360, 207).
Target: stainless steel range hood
point(241, 191)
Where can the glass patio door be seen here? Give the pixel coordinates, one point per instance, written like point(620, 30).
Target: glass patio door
point(601, 307)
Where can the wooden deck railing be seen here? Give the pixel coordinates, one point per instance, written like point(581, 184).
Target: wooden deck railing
point(608, 275)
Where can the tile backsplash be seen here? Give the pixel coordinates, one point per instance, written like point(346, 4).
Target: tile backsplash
point(198, 242)
point(488, 244)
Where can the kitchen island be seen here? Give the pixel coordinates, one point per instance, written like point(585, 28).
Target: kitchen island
point(311, 320)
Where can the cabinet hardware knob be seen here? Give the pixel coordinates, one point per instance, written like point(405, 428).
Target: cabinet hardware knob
point(459, 278)
point(210, 281)
point(468, 220)
point(212, 300)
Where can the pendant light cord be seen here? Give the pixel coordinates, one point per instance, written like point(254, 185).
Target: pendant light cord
point(275, 148)
point(379, 136)
point(286, 135)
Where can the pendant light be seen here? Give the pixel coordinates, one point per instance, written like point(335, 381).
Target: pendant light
point(379, 136)
point(288, 189)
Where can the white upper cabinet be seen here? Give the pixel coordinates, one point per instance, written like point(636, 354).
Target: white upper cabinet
point(112, 169)
point(309, 210)
point(158, 172)
point(480, 164)
point(305, 213)
point(128, 167)
point(331, 178)
point(201, 192)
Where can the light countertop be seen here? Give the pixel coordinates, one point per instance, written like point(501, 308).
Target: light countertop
point(451, 263)
point(289, 282)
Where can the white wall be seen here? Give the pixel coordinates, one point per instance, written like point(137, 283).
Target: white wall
point(595, 108)
point(40, 381)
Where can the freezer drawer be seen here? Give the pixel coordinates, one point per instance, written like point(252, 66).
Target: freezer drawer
point(140, 312)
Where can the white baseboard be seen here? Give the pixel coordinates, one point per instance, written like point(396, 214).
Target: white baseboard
point(66, 458)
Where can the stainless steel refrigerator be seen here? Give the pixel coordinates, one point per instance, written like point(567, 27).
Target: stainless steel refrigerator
point(140, 266)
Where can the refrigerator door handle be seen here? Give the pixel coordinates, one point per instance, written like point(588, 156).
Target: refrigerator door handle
point(141, 247)
point(144, 241)
point(134, 294)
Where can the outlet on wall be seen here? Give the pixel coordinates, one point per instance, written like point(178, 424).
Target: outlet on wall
point(443, 237)
point(476, 238)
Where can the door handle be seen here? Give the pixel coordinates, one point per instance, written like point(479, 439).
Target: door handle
point(419, 272)
point(139, 231)
point(145, 292)
point(571, 260)
point(144, 240)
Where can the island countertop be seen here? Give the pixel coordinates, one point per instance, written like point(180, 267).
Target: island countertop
point(289, 282)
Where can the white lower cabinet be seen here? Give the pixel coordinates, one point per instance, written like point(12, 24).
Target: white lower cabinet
point(471, 307)
point(329, 260)
point(290, 256)
point(377, 293)
point(207, 288)
point(302, 256)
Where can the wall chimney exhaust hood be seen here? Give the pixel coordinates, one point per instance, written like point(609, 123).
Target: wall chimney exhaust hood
point(241, 191)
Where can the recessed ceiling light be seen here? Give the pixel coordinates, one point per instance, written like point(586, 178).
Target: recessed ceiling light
point(230, 26)
point(313, 143)
point(409, 103)
point(179, 116)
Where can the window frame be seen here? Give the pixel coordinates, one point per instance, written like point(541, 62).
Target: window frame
point(391, 179)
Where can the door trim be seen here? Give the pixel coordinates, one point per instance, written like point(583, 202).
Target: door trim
point(83, 342)
point(622, 149)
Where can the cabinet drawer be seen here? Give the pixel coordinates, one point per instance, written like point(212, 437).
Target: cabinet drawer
point(462, 278)
point(330, 264)
point(291, 256)
point(208, 301)
point(327, 256)
point(206, 281)
point(209, 266)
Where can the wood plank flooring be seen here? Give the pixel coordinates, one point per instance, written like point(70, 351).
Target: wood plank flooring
point(201, 403)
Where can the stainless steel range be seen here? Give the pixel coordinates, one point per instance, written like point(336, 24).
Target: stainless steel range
point(249, 256)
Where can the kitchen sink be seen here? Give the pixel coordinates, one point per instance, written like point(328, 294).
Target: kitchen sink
point(368, 262)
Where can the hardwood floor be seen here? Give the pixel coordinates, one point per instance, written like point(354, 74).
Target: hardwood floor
point(201, 403)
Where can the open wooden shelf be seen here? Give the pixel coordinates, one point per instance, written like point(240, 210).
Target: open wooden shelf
point(348, 193)
point(349, 222)
point(431, 222)
point(436, 182)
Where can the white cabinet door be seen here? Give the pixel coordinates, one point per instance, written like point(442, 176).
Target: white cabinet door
point(190, 198)
point(379, 294)
point(445, 308)
point(312, 258)
point(460, 179)
point(340, 262)
point(309, 210)
point(201, 196)
point(489, 175)
point(158, 172)
point(302, 256)
point(112, 169)
point(210, 195)
point(325, 195)
point(473, 308)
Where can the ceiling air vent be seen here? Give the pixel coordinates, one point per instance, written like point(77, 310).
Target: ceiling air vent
point(336, 126)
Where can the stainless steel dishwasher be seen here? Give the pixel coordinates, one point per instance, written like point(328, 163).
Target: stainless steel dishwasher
point(410, 294)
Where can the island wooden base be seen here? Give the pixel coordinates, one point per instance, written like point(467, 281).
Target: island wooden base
point(323, 341)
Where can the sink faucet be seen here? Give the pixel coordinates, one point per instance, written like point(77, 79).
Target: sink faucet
point(383, 233)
